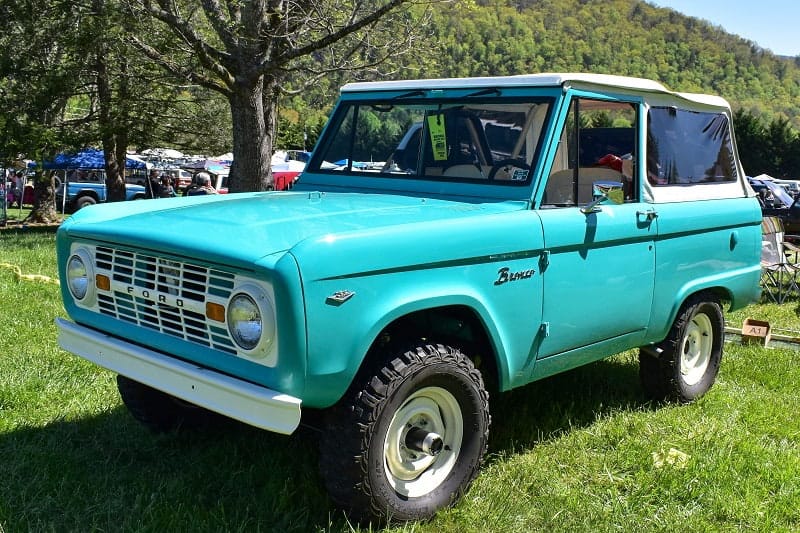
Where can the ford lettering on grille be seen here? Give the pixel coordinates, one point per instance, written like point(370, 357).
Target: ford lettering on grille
point(165, 295)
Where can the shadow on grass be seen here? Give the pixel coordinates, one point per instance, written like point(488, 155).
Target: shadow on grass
point(548, 408)
point(107, 472)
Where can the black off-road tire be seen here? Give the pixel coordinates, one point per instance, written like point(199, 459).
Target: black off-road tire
point(685, 365)
point(160, 412)
point(360, 452)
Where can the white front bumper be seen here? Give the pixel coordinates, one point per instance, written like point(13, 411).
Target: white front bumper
point(241, 400)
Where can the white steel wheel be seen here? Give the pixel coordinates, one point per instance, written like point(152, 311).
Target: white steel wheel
point(410, 438)
point(696, 352)
point(432, 411)
point(685, 364)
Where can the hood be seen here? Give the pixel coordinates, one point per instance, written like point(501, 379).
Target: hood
point(243, 228)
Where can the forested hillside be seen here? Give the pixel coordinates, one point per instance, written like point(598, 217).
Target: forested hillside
point(627, 37)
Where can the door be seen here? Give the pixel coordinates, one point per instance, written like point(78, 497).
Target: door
point(598, 283)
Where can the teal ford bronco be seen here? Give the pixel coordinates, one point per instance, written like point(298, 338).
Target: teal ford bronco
point(449, 239)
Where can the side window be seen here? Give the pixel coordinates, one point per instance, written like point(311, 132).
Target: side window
point(597, 150)
point(688, 147)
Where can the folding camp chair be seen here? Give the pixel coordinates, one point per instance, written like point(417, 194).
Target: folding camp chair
point(779, 267)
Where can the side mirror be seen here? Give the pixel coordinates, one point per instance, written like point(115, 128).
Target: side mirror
point(602, 191)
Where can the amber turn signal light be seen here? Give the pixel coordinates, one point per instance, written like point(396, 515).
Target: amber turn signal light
point(215, 311)
point(102, 282)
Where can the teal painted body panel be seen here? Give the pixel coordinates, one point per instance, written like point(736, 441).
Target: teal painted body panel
point(705, 245)
point(398, 270)
point(348, 253)
point(599, 283)
point(351, 242)
point(267, 223)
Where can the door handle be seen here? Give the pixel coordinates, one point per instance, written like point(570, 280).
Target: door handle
point(649, 214)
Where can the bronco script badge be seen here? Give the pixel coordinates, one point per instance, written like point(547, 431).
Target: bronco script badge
point(504, 275)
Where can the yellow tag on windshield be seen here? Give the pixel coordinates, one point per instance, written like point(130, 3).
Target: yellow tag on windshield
point(438, 137)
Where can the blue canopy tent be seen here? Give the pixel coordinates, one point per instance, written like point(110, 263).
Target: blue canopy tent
point(90, 158)
point(87, 159)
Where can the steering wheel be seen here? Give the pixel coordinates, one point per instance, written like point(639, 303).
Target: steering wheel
point(505, 165)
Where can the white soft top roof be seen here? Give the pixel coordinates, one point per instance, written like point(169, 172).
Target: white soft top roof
point(535, 80)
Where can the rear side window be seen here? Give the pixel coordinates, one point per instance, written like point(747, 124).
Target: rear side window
point(688, 147)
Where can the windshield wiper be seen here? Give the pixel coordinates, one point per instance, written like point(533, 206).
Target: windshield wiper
point(484, 92)
point(409, 95)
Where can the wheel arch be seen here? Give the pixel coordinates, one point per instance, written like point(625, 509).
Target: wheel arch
point(462, 322)
point(459, 325)
point(716, 292)
point(87, 192)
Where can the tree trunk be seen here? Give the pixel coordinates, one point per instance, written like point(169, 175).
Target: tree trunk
point(114, 152)
point(270, 99)
point(114, 147)
point(252, 138)
point(44, 202)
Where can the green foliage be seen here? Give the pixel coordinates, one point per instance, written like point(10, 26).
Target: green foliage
point(772, 148)
point(299, 124)
point(37, 70)
point(624, 37)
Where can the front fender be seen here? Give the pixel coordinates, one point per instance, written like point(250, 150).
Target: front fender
point(340, 335)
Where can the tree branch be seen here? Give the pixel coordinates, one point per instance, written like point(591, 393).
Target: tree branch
point(210, 57)
point(185, 72)
point(351, 27)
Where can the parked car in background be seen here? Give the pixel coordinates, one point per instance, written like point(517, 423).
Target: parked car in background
point(82, 194)
point(775, 201)
point(287, 165)
point(219, 180)
point(180, 178)
point(137, 177)
point(791, 186)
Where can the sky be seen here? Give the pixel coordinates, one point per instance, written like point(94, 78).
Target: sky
point(773, 24)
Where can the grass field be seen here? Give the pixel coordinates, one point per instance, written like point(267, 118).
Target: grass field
point(582, 451)
point(15, 214)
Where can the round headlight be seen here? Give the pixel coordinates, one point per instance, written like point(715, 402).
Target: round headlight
point(244, 321)
point(77, 277)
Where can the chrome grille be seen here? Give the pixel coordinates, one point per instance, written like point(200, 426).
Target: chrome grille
point(164, 295)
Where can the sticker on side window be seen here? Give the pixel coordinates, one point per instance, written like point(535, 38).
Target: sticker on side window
point(438, 137)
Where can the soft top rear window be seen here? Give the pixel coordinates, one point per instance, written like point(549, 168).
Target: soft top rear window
point(688, 147)
point(484, 140)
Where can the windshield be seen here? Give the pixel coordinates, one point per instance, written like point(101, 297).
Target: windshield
point(491, 140)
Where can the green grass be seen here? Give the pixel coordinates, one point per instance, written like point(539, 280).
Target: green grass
point(582, 451)
point(13, 214)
